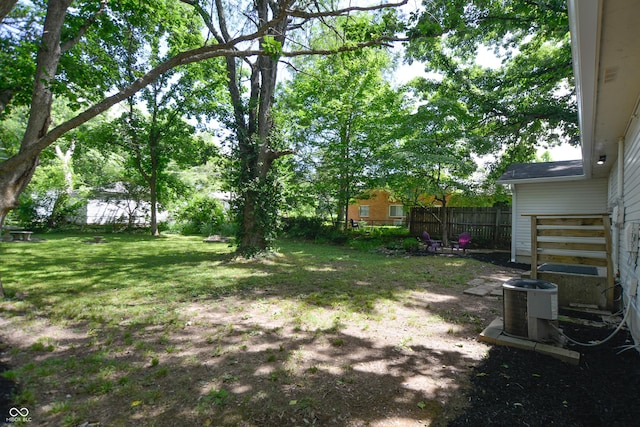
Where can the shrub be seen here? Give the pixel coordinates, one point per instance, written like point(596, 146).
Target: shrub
point(202, 215)
point(338, 237)
point(410, 245)
point(310, 228)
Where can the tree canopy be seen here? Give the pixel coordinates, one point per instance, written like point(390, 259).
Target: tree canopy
point(73, 49)
point(180, 64)
point(527, 102)
point(341, 112)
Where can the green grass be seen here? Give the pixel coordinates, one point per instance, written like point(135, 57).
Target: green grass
point(129, 296)
point(142, 280)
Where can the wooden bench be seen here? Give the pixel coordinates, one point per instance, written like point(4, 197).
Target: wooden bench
point(21, 235)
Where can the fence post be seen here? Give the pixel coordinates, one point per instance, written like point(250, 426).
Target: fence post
point(534, 247)
point(496, 231)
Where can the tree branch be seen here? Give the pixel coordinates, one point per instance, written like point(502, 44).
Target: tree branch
point(222, 20)
point(206, 18)
point(82, 30)
point(227, 49)
point(298, 13)
point(6, 6)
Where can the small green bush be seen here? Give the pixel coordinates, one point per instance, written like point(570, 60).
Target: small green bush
point(339, 237)
point(202, 215)
point(410, 245)
point(310, 228)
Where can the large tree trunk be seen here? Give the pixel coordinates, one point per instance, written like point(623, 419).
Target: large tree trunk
point(5, 7)
point(153, 182)
point(154, 206)
point(14, 181)
point(11, 185)
point(256, 155)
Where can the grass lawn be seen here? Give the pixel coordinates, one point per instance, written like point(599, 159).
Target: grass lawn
point(172, 331)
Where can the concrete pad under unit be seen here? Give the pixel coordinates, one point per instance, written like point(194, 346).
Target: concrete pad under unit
point(494, 334)
point(496, 292)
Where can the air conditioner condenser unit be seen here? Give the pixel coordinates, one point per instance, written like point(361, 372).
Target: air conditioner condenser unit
point(531, 309)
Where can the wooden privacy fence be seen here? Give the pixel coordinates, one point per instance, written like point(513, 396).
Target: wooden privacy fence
point(489, 227)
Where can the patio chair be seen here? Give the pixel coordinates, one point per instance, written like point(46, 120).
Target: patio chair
point(463, 242)
point(429, 243)
point(353, 223)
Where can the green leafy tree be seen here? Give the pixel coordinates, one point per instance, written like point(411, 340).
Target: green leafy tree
point(75, 49)
point(433, 157)
point(258, 146)
point(341, 111)
point(149, 144)
point(529, 101)
point(201, 215)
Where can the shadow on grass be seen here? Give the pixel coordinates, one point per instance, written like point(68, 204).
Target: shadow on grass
point(249, 375)
point(47, 274)
point(160, 332)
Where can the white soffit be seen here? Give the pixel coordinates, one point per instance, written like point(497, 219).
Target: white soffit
point(605, 43)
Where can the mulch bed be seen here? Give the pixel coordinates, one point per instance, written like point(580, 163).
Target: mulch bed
point(522, 388)
point(515, 387)
point(499, 258)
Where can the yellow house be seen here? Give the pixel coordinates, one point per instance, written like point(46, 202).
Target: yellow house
point(380, 208)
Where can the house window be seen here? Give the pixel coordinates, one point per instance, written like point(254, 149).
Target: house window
point(363, 210)
point(396, 211)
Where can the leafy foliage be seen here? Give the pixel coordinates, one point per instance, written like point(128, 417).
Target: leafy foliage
point(526, 103)
point(341, 111)
point(310, 228)
point(434, 155)
point(201, 215)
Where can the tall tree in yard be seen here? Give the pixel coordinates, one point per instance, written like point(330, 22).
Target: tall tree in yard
point(75, 55)
point(433, 155)
point(153, 132)
point(76, 51)
point(257, 144)
point(149, 144)
point(341, 112)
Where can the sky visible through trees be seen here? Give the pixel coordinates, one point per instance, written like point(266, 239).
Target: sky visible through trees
point(486, 58)
point(473, 110)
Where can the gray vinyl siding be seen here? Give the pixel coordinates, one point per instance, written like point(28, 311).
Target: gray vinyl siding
point(563, 197)
point(628, 262)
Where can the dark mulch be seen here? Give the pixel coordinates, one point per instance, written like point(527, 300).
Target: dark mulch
point(522, 388)
point(499, 258)
point(513, 387)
